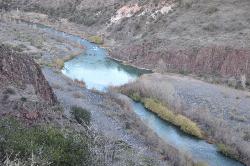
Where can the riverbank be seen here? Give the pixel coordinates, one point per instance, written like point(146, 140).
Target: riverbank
point(219, 111)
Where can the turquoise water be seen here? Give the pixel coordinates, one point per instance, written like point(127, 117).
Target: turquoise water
point(98, 72)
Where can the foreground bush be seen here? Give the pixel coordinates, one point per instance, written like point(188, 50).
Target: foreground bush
point(81, 115)
point(48, 144)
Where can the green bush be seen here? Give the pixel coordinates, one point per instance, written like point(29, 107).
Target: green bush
point(47, 143)
point(81, 115)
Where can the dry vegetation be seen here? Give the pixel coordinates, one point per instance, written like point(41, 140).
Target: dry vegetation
point(185, 124)
point(134, 125)
point(59, 62)
point(160, 96)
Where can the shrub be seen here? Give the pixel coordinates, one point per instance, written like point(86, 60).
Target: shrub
point(211, 10)
point(211, 27)
point(47, 143)
point(9, 91)
point(23, 99)
point(188, 126)
point(78, 95)
point(135, 96)
point(159, 109)
point(96, 39)
point(246, 136)
point(81, 115)
point(59, 63)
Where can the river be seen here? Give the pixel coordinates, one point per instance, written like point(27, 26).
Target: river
point(99, 72)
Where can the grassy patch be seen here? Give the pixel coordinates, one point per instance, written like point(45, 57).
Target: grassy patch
point(46, 143)
point(96, 39)
point(81, 115)
point(227, 151)
point(185, 124)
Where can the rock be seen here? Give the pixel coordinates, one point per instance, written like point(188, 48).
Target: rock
point(20, 70)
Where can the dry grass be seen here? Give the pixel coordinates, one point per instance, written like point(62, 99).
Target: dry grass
point(185, 124)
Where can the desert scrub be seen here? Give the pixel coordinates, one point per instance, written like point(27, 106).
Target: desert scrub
point(96, 39)
point(81, 115)
point(185, 124)
point(49, 144)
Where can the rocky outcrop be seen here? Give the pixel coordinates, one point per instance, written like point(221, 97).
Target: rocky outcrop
point(20, 70)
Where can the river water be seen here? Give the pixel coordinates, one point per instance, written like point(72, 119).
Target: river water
point(99, 72)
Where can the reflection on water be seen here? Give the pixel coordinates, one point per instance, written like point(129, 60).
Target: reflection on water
point(97, 70)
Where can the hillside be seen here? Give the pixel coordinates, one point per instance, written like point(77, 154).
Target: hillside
point(192, 48)
point(206, 38)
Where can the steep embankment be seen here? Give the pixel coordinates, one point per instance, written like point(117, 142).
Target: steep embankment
point(21, 70)
point(24, 91)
